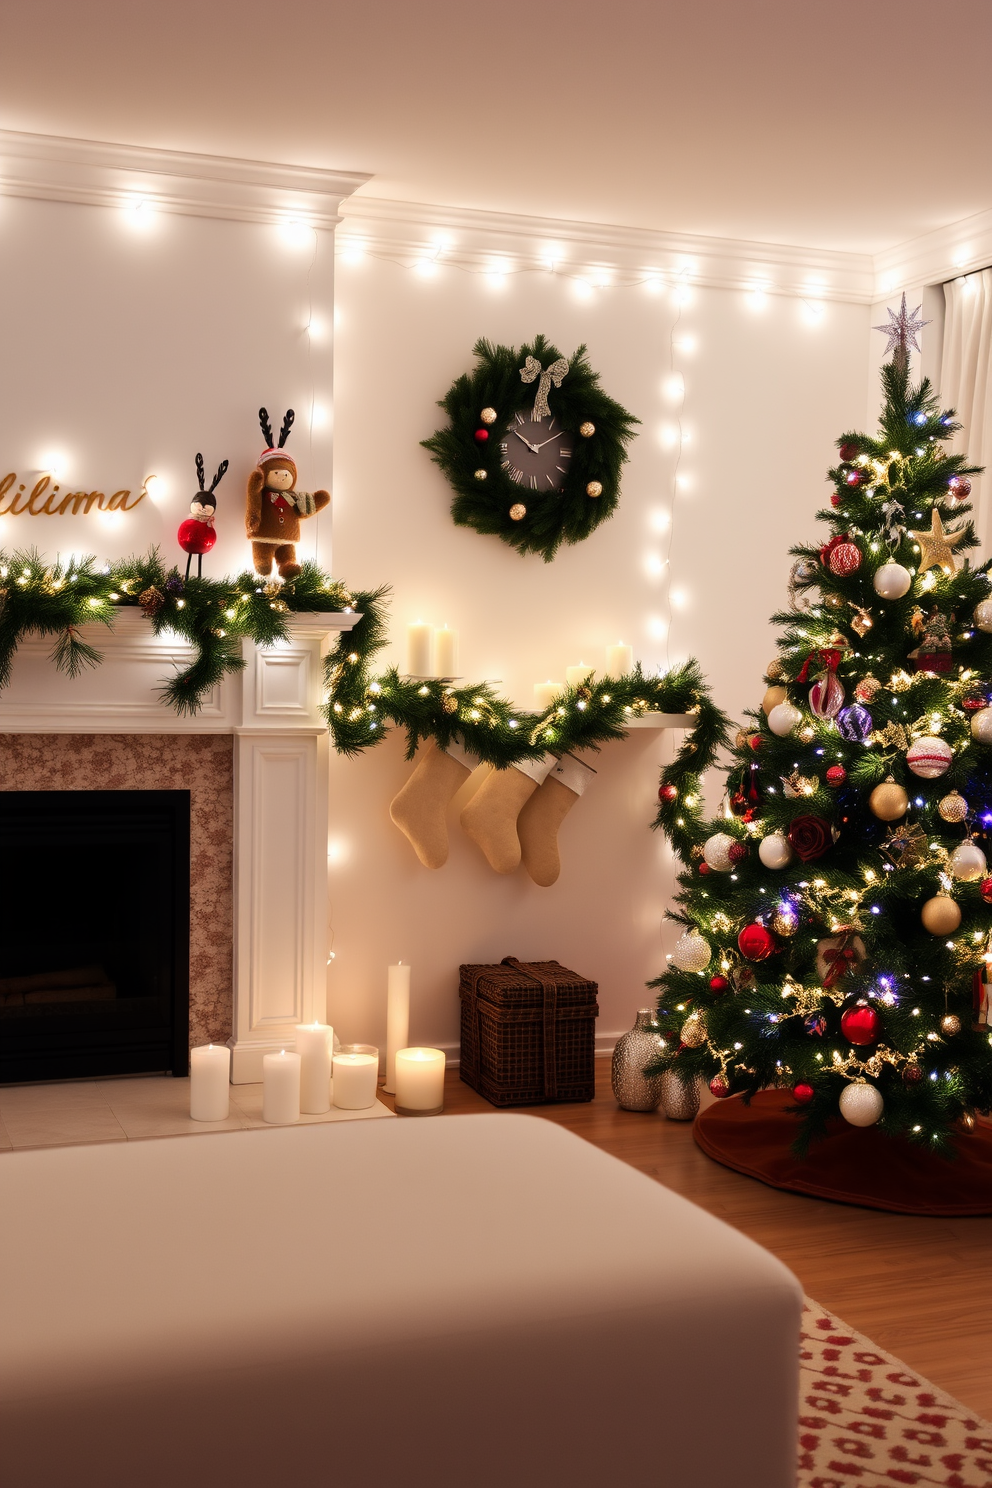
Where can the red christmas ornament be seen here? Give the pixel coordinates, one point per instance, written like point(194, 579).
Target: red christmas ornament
point(667, 793)
point(755, 943)
point(845, 559)
point(718, 984)
point(959, 486)
point(802, 1094)
point(985, 889)
point(482, 435)
point(854, 477)
point(849, 451)
point(860, 1025)
point(705, 868)
point(837, 499)
point(719, 1087)
point(912, 1074)
point(737, 852)
point(196, 537)
point(755, 742)
point(975, 699)
point(828, 547)
point(836, 775)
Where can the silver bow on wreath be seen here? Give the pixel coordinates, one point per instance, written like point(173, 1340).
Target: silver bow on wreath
point(531, 370)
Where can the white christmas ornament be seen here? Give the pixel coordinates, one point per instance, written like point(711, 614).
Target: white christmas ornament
point(983, 615)
point(929, 758)
point(981, 725)
point(692, 952)
point(774, 850)
point(861, 1105)
point(892, 581)
point(783, 719)
point(968, 862)
point(716, 851)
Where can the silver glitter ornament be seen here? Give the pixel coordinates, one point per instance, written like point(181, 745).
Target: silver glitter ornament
point(633, 1090)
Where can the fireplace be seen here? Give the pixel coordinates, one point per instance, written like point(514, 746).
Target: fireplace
point(94, 933)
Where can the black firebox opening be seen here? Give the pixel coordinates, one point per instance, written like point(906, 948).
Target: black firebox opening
point(94, 933)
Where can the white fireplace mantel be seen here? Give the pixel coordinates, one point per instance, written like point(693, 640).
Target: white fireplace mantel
point(280, 792)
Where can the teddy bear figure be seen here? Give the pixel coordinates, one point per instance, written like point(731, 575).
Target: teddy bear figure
point(275, 507)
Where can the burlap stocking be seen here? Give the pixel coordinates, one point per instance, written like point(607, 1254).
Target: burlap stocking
point(543, 814)
point(419, 808)
point(490, 818)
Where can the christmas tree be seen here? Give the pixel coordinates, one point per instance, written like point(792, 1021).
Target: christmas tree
point(838, 916)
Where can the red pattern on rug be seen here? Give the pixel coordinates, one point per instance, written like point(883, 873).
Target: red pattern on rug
point(867, 1420)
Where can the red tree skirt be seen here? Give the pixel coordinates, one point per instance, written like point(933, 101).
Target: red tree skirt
point(852, 1165)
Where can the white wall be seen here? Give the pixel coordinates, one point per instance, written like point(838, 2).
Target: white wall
point(766, 392)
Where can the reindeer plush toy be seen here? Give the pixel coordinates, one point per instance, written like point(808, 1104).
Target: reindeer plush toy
point(275, 507)
point(196, 535)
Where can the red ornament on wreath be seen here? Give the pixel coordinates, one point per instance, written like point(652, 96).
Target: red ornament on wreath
point(755, 943)
point(836, 776)
point(860, 1025)
point(802, 1094)
point(482, 435)
point(855, 477)
point(985, 889)
point(737, 852)
point(719, 1087)
point(837, 499)
point(849, 451)
point(845, 559)
point(755, 741)
point(668, 793)
point(718, 985)
point(705, 868)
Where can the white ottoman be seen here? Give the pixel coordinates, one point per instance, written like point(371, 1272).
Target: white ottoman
point(482, 1301)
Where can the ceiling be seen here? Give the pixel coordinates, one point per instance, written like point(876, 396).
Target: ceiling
point(852, 125)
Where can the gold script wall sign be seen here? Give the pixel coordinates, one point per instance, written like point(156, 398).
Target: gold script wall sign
point(42, 502)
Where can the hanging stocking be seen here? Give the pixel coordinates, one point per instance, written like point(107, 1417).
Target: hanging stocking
point(419, 808)
point(490, 818)
point(544, 813)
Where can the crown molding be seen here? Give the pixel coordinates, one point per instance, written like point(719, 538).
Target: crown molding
point(93, 173)
point(473, 239)
point(947, 252)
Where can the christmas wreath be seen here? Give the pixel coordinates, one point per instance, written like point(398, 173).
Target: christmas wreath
point(534, 447)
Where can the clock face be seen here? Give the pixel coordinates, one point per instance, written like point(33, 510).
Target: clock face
point(535, 453)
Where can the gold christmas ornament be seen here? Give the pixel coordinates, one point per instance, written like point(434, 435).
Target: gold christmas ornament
point(693, 1032)
point(785, 921)
point(861, 621)
point(905, 845)
point(892, 736)
point(481, 474)
point(936, 546)
point(867, 688)
point(834, 601)
point(774, 670)
point(953, 808)
point(517, 511)
point(950, 1024)
point(741, 738)
point(594, 488)
point(888, 801)
point(449, 703)
point(772, 698)
point(941, 915)
point(587, 430)
point(488, 415)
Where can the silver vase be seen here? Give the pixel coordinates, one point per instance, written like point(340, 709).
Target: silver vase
point(679, 1102)
point(633, 1089)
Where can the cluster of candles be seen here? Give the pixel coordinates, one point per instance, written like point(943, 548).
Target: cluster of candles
point(431, 652)
point(619, 661)
point(314, 1075)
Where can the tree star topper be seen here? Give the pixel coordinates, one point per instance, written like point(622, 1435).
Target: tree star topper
point(936, 545)
point(902, 329)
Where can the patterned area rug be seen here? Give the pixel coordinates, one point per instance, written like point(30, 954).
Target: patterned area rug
point(866, 1420)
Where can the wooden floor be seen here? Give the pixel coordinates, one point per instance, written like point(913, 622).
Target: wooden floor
point(920, 1287)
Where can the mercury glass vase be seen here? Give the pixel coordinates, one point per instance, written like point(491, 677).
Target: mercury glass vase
point(633, 1089)
point(679, 1102)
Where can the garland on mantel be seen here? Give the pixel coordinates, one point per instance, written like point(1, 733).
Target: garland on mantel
point(214, 615)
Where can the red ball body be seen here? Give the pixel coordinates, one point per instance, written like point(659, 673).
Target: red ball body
point(985, 889)
point(849, 451)
point(719, 1087)
point(482, 435)
point(705, 868)
point(755, 943)
point(845, 559)
point(737, 852)
point(836, 775)
point(668, 793)
point(960, 486)
point(755, 742)
point(802, 1094)
point(860, 1025)
point(196, 537)
point(912, 1074)
point(837, 499)
point(718, 984)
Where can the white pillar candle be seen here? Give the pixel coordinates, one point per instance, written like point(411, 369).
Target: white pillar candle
point(545, 694)
point(397, 1019)
point(356, 1076)
point(576, 675)
point(315, 1045)
point(281, 1087)
point(419, 1082)
point(619, 660)
point(446, 652)
point(420, 650)
point(210, 1082)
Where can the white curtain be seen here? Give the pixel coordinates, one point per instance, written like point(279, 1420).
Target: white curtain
point(966, 385)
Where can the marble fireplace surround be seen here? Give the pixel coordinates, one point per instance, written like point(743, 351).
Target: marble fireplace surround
point(255, 763)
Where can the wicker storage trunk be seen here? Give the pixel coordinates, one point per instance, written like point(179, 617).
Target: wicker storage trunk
point(528, 1032)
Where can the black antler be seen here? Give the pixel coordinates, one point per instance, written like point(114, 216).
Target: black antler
point(199, 471)
point(219, 476)
point(287, 424)
point(263, 419)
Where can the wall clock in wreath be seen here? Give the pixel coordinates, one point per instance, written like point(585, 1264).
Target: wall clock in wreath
point(534, 447)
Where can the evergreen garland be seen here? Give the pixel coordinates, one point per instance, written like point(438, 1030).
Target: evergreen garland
point(566, 515)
